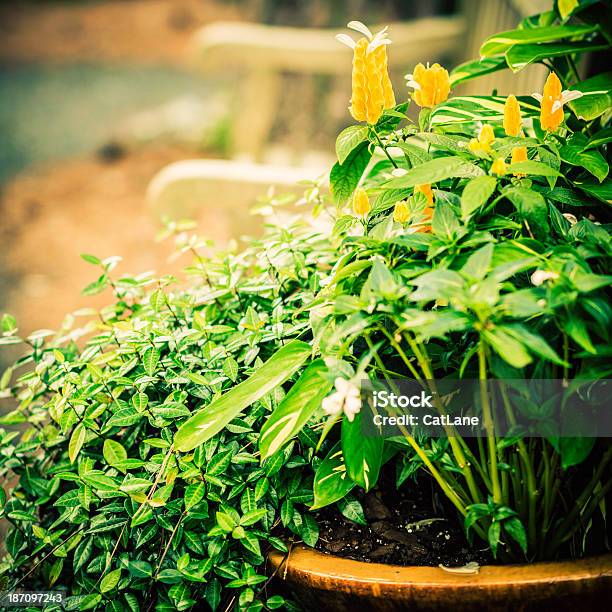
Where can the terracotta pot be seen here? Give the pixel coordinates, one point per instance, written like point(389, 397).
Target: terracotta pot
point(324, 582)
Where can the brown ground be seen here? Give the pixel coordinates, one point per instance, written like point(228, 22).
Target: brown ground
point(51, 215)
point(142, 30)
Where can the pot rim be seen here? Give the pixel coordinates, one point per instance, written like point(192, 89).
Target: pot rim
point(321, 569)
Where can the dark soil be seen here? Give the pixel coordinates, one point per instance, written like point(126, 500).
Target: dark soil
point(409, 526)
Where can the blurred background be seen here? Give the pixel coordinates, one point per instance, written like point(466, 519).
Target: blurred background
point(101, 101)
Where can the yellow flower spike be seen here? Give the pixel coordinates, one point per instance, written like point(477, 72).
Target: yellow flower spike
point(425, 189)
point(498, 167)
point(431, 85)
point(482, 144)
point(519, 154)
point(552, 101)
point(512, 116)
point(361, 202)
point(372, 91)
point(401, 212)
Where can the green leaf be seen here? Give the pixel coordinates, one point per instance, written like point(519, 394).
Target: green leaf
point(516, 530)
point(434, 171)
point(600, 138)
point(596, 98)
point(92, 259)
point(493, 536)
point(225, 521)
point(352, 510)
point(534, 168)
point(531, 206)
point(193, 495)
point(520, 56)
point(476, 193)
point(575, 450)
point(362, 455)
point(348, 139)
point(113, 452)
point(345, 177)
point(309, 530)
point(476, 68)
point(150, 359)
point(140, 401)
point(437, 284)
point(535, 343)
point(331, 481)
point(502, 41)
point(213, 418)
point(76, 442)
point(468, 109)
point(593, 161)
point(124, 417)
point(109, 582)
point(507, 347)
point(230, 368)
point(82, 602)
point(479, 262)
point(295, 410)
point(444, 223)
point(8, 323)
point(140, 569)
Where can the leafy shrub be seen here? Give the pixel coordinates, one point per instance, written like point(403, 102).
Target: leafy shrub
point(188, 424)
point(104, 504)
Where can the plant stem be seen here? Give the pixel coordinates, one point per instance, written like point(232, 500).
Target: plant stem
point(488, 423)
point(384, 148)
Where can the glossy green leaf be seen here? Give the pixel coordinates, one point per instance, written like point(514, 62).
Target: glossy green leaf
point(295, 410)
point(210, 420)
point(434, 171)
point(345, 177)
point(502, 41)
point(362, 455)
point(331, 482)
point(348, 139)
point(476, 193)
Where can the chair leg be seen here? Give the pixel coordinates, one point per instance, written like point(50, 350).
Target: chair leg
point(255, 113)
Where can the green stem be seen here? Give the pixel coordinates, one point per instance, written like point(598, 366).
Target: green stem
point(488, 423)
point(384, 148)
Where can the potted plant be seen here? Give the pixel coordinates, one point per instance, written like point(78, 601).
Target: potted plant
point(192, 427)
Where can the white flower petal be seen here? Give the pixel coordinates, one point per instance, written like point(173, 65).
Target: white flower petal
point(413, 84)
point(360, 27)
point(556, 106)
point(342, 385)
point(332, 404)
point(352, 404)
point(378, 43)
point(540, 276)
point(399, 171)
point(345, 39)
point(537, 96)
point(568, 96)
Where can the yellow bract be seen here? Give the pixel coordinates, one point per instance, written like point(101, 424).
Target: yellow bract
point(498, 167)
point(372, 91)
point(401, 212)
point(361, 202)
point(551, 110)
point(431, 85)
point(484, 140)
point(512, 116)
point(519, 154)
